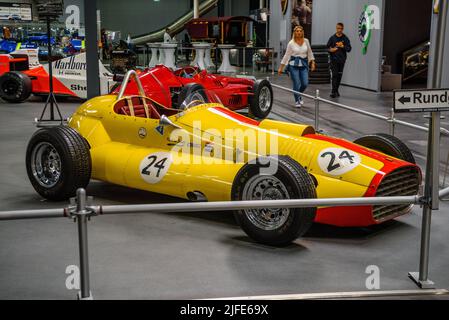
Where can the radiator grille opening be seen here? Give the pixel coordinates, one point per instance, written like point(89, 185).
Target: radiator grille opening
point(401, 182)
point(235, 100)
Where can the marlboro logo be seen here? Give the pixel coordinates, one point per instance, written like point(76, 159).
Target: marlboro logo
point(71, 64)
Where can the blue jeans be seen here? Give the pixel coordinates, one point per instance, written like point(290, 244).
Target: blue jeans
point(300, 78)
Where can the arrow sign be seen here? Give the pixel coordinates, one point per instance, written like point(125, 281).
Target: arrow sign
point(404, 99)
point(421, 100)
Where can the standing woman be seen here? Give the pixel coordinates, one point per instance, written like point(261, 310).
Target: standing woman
point(298, 57)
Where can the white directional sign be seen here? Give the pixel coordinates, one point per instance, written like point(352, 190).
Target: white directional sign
point(422, 100)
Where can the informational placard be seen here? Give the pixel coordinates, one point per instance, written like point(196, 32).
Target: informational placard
point(15, 11)
point(422, 100)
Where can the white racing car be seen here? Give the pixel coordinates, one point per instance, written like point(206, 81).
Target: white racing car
point(21, 75)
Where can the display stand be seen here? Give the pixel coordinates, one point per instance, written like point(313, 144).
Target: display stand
point(154, 58)
point(169, 54)
point(207, 58)
point(161, 53)
point(50, 11)
point(200, 49)
point(226, 66)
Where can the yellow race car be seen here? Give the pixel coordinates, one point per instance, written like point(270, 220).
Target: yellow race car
point(206, 152)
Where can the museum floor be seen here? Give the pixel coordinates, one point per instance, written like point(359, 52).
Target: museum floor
point(205, 255)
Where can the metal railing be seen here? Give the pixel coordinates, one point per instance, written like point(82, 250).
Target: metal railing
point(391, 119)
point(81, 210)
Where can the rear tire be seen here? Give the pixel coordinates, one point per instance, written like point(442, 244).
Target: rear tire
point(281, 226)
point(15, 87)
point(387, 144)
point(261, 102)
point(58, 162)
point(191, 92)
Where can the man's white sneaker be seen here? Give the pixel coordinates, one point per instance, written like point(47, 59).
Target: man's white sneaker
point(301, 102)
point(298, 105)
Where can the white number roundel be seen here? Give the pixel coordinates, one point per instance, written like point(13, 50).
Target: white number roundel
point(155, 166)
point(337, 161)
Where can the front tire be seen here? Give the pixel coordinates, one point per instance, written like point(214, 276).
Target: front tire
point(278, 226)
point(261, 103)
point(15, 87)
point(387, 144)
point(58, 162)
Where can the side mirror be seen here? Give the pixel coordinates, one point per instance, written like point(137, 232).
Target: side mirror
point(165, 121)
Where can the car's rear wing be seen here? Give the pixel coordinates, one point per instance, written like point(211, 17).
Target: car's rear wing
point(17, 62)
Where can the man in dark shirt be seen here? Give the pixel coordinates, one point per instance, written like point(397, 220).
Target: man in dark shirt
point(338, 46)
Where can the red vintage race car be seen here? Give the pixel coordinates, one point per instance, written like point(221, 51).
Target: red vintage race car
point(171, 88)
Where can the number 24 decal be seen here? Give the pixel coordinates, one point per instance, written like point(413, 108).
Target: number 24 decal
point(155, 166)
point(158, 165)
point(343, 155)
point(336, 161)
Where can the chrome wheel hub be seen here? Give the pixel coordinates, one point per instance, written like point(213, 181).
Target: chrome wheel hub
point(46, 164)
point(266, 188)
point(264, 99)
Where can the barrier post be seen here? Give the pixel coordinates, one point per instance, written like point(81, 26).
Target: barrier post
point(431, 192)
point(392, 122)
point(82, 213)
point(244, 60)
point(317, 110)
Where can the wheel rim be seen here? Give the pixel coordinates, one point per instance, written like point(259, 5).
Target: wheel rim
point(266, 188)
point(10, 87)
point(197, 96)
point(46, 164)
point(264, 99)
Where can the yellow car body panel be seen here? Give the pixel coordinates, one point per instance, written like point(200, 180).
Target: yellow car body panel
point(120, 145)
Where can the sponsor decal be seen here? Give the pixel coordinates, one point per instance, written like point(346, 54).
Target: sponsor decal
point(155, 166)
point(369, 20)
point(160, 129)
point(436, 6)
point(142, 133)
point(338, 161)
point(78, 87)
point(284, 6)
point(70, 64)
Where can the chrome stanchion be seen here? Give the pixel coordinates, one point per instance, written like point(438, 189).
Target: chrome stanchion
point(431, 202)
point(431, 192)
point(244, 60)
point(81, 213)
point(392, 122)
point(317, 110)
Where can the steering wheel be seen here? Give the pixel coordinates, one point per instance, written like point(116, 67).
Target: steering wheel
point(189, 74)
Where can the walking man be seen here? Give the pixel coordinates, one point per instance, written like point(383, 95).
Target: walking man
point(338, 46)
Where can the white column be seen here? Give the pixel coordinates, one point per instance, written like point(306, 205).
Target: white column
point(207, 58)
point(200, 49)
point(169, 54)
point(154, 59)
point(196, 9)
point(161, 53)
point(226, 66)
point(261, 4)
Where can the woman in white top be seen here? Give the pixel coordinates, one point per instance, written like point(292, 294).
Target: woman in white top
point(298, 57)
